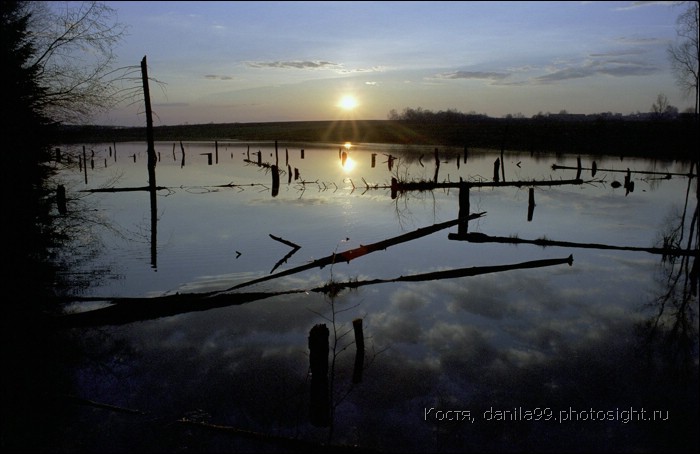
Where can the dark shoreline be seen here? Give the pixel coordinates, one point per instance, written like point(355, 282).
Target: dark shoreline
point(666, 139)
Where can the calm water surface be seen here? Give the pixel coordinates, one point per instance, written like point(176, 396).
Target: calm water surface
point(600, 354)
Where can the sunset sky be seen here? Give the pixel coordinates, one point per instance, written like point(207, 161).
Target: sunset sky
point(225, 62)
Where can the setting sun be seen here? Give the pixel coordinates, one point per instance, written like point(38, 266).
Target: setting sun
point(347, 102)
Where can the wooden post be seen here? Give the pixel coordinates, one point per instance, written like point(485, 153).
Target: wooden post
point(277, 156)
point(360, 351)
point(531, 205)
point(319, 408)
point(463, 213)
point(182, 147)
point(496, 168)
point(374, 159)
point(216, 149)
point(61, 199)
point(149, 126)
point(302, 153)
point(578, 167)
point(275, 180)
point(85, 164)
point(594, 169)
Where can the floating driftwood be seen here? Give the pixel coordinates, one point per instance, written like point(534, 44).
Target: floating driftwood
point(139, 188)
point(283, 241)
point(483, 238)
point(352, 254)
point(129, 310)
point(295, 247)
point(645, 172)
point(428, 185)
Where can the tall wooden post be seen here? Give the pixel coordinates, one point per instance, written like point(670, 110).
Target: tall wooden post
point(149, 126)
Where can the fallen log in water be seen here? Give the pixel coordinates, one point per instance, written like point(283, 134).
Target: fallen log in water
point(449, 274)
point(644, 172)
point(428, 185)
point(139, 188)
point(483, 238)
point(129, 310)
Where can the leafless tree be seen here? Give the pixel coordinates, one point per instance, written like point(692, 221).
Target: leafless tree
point(684, 53)
point(74, 56)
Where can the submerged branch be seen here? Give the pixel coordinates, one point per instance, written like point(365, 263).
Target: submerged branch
point(483, 238)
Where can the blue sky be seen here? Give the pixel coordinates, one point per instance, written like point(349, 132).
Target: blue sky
point(227, 62)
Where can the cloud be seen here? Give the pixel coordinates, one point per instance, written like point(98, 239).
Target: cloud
point(635, 5)
point(296, 64)
point(217, 77)
point(615, 68)
point(472, 75)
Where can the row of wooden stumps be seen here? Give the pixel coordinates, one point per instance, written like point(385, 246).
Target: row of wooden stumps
point(320, 400)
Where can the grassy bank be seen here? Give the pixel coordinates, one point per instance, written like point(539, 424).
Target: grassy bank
point(672, 139)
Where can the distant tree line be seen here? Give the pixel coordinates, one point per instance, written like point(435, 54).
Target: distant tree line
point(660, 109)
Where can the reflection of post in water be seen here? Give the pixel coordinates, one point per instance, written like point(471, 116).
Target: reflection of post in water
point(319, 408)
point(359, 352)
point(154, 228)
point(437, 165)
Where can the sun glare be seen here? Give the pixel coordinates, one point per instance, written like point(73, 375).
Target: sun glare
point(347, 102)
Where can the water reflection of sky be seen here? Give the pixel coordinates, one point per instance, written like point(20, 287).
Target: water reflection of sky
point(559, 337)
